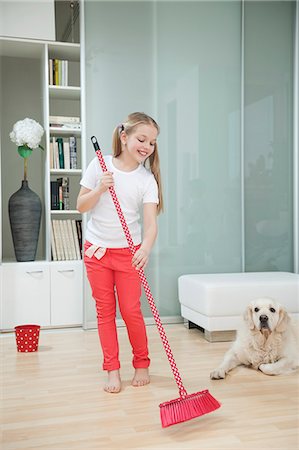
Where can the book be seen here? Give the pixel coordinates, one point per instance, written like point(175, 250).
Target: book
point(66, 126)
point(60, 81)
point(60, 195)
point(55, 154)
point(58, 240)
point(56, 72)
point(53, 243)
point(60, 152)
point(64, 192)
point(51, 71)
point(51, 155)
point(76, 239)
point(71, 240)
point(66, 73)
point(54, 188)
point(73, 152)
point(66, 240)
point(64, 120)
point(66, 152)
point(63, 233)
point(79, 233)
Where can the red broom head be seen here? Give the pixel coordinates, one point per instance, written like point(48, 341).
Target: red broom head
point(185, 408)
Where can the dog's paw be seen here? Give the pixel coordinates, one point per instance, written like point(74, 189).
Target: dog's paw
point(267, 369)
point(217, 374)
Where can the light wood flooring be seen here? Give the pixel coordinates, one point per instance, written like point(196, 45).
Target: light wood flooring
point(53, 399)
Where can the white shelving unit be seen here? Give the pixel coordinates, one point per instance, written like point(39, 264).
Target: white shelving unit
point(42, 291)
point(65, 101)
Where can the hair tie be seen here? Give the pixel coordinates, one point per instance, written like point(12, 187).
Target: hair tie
point(121, 127)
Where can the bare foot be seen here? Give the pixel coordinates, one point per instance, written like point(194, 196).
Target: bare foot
point(141, 377)
point(113, 384)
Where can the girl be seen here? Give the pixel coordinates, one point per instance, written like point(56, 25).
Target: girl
point(109, 264)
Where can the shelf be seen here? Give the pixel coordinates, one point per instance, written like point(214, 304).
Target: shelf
point(65, 171)
point(10, 261)
point(65, 211)
point(21, 48)
point(33, 48)
point(65, 131)
point(65, 92)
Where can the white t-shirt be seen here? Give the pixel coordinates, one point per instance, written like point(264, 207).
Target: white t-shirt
point(132, 189)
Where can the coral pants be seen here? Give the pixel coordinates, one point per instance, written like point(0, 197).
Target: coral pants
point(110, 275)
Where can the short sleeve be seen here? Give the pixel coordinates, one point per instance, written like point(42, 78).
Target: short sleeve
point(151, 191)
point(92, 174)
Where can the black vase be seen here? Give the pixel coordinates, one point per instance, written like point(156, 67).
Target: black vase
point(25, 208)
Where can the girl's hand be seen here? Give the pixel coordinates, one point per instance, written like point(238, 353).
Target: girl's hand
point(140, 259)
point(106, 182)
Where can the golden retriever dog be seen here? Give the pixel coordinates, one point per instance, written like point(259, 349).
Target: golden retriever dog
point(265, 342)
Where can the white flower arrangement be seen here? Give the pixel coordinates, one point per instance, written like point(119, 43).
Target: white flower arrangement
point(27, 135)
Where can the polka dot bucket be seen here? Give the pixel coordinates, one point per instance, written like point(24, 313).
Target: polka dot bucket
point(27, 338)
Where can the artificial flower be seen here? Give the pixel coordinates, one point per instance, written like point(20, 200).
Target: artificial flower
point(27, 134)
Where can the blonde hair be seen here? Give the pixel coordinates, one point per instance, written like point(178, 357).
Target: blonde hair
point(128, 126)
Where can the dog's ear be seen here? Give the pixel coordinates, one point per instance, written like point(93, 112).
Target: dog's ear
point(283, 321)
point(248, 317)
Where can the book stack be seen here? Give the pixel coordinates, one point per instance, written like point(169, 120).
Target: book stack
point(66, 239)
point(63, 153)
point(65, 122)
point(58, 72)
point(60, 194)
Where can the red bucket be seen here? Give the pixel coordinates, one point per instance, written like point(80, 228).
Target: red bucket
point(27, 338)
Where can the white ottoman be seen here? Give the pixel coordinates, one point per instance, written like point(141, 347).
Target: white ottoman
point(216, 302)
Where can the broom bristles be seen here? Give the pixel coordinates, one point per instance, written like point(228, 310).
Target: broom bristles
point(183, 409)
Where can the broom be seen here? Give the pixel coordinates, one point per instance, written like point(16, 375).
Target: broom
point(187, 406)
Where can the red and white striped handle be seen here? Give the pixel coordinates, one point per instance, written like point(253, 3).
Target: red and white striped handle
point(178, 379)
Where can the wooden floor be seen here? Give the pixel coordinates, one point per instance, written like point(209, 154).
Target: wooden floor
point(53, 399)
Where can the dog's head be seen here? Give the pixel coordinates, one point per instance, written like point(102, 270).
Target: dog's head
point(266, 316)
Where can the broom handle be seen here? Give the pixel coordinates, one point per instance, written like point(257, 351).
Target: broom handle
point(142, 277)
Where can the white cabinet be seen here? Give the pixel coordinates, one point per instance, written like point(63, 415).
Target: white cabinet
point(30, 19)
point(42, 293)
point(25, 295)
point(66, 293)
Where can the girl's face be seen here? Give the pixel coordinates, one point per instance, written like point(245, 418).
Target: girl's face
point(141, 142)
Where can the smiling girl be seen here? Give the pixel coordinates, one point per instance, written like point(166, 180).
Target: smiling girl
point(111, 270)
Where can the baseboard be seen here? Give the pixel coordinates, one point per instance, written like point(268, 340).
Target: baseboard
point(220, 336)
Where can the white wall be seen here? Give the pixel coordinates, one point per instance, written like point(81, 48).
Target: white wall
point(28, 19)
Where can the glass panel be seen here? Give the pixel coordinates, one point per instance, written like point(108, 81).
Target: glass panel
point(198, 97)
point(181, 63)
point(119, 76)
point(269, 31)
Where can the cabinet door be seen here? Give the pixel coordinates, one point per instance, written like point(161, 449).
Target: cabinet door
point(66, 293)
point(25, 294)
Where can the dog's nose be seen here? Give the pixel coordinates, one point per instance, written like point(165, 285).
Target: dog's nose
point(263, 318)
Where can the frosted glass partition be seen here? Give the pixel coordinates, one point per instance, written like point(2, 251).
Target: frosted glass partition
point(180, 62)
point(119, 65)
point(198, 72)
point(268, 142)
point(119, 75)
